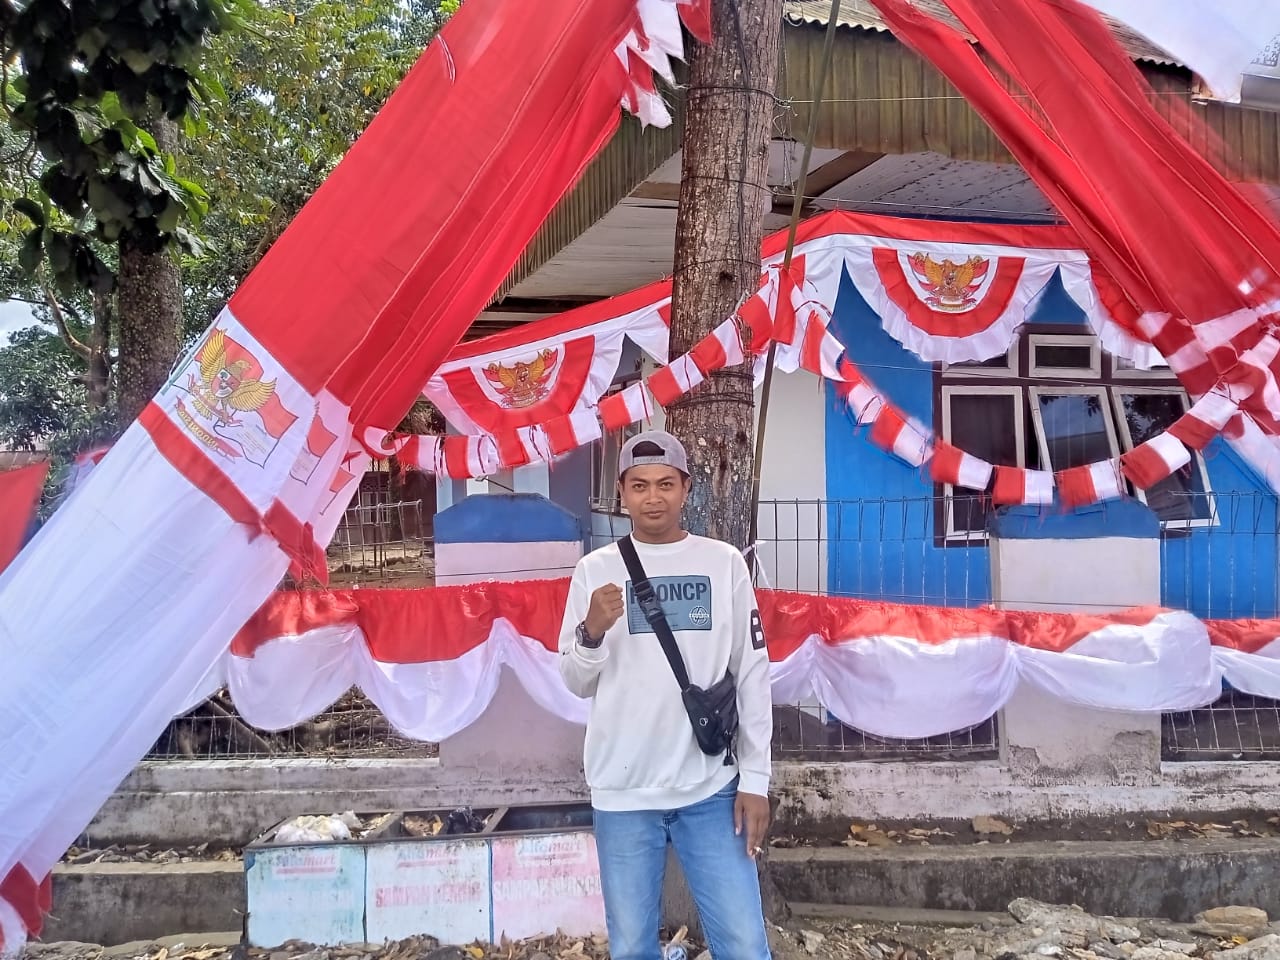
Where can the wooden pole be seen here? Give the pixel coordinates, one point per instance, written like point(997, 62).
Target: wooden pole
point(828, 46)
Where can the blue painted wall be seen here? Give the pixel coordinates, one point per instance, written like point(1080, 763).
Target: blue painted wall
point(881, 520)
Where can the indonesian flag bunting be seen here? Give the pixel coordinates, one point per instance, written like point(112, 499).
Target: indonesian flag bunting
point(1158, 458)
point(626, 407)
point(675, 380)
point(545, 369)
point(422, 453)
point(1206, 419)
point(474, 456)
point(580, 427)
point(904, 437)
point(719, 349)
point(304, 649)
point(1017, 485)
point(1090, 483)
point(953, 466)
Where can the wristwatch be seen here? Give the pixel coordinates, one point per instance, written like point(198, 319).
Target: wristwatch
point(585, 638)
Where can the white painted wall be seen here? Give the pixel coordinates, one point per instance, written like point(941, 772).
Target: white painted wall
point(793, 485)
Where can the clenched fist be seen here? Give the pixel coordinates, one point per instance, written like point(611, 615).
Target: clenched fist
point(605, 609)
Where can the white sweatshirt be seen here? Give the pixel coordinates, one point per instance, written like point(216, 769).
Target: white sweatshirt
point(640, 752)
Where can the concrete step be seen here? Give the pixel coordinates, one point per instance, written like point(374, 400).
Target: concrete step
point(1169, 879)
point(115, 903)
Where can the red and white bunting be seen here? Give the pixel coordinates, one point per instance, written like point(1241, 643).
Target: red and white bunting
point(1158, 458)
point(675, 380)
point(1016, 485)
point(719, 349)
point(953, 466)
point(626, 407)
point(421, 453)
point(1205, 420)
point(579, 428)
point(1090, 483)
point(905, 437)
point(463, 457)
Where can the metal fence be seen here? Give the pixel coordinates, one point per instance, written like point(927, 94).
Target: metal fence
point(383, 544)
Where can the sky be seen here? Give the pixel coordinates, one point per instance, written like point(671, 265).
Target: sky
point(13, 316)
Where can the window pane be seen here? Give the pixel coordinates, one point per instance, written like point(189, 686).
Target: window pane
point(986, 426)
point(1075, 429)
point(1063, 357)
point(1181, 496)
point(999, 362)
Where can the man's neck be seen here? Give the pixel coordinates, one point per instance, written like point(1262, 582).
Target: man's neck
point(675, 535)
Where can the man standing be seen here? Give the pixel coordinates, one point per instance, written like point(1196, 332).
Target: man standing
point(651, 782)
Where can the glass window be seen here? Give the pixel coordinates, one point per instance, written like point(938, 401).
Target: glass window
point(987, 423)
point(1073, 427)
point(1183, 497)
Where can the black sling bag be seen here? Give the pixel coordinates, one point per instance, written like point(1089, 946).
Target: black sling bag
point(713, 711)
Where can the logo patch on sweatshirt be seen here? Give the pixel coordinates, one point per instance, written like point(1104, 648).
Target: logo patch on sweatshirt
point(685, 600)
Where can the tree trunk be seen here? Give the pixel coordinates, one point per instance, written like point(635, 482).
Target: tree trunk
point(148, 311)
point(723, 195)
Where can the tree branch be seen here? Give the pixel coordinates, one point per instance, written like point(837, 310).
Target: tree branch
point(78, 348)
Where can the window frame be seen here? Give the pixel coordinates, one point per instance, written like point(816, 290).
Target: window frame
point(1132, 373)
point(1034, 393)
point(1081, 341)
point(948, 390)
point(1126, 440)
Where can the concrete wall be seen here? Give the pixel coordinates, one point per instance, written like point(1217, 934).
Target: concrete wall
point(230, 802)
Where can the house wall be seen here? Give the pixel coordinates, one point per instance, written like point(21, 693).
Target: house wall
point(881, 519)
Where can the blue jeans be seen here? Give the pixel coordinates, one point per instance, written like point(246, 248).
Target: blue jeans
point(632, 846)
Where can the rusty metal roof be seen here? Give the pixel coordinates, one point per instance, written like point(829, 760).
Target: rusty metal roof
point(861, 15)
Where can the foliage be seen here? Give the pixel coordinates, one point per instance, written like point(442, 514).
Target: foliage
point(302, 82)
point(91, 77)
point(268, 110)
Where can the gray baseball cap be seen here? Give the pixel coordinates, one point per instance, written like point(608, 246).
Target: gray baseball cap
point(672, 452)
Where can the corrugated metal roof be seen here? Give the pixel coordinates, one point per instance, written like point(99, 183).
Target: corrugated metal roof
point(860, 14)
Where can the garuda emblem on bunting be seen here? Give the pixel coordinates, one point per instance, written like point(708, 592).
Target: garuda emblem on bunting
point(949, 285)
point(231, 407)
point(523, 383)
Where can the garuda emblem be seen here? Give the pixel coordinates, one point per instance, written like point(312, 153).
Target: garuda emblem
point(523, 384)
point(950, 285)
point(223, 390)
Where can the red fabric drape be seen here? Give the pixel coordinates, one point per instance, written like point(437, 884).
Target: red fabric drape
point(19, 495)
point(1177, 236)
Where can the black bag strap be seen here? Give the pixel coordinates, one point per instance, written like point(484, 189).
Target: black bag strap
point(651, 607)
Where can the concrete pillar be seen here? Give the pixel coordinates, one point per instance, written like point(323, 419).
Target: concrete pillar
point(511, 537)
point(1098, 559)
point(533, 478)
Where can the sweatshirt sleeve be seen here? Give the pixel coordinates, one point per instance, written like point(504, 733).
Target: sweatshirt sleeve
point(749, 663)
point(579, 666)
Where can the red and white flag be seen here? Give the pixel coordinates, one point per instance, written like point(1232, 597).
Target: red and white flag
point(905, 437)
point(719, 349)
point(626, 407)
point(1090, 483)
point(1205, 420)
point(1016, 485)
point(578, 428)
point(421, 453)
point(953, 466)
point(674, 380)
point(1149, 463)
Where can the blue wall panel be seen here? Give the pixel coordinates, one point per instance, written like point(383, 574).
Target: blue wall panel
point(881, 520)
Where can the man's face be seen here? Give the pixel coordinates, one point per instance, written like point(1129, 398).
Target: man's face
point(654, 495)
